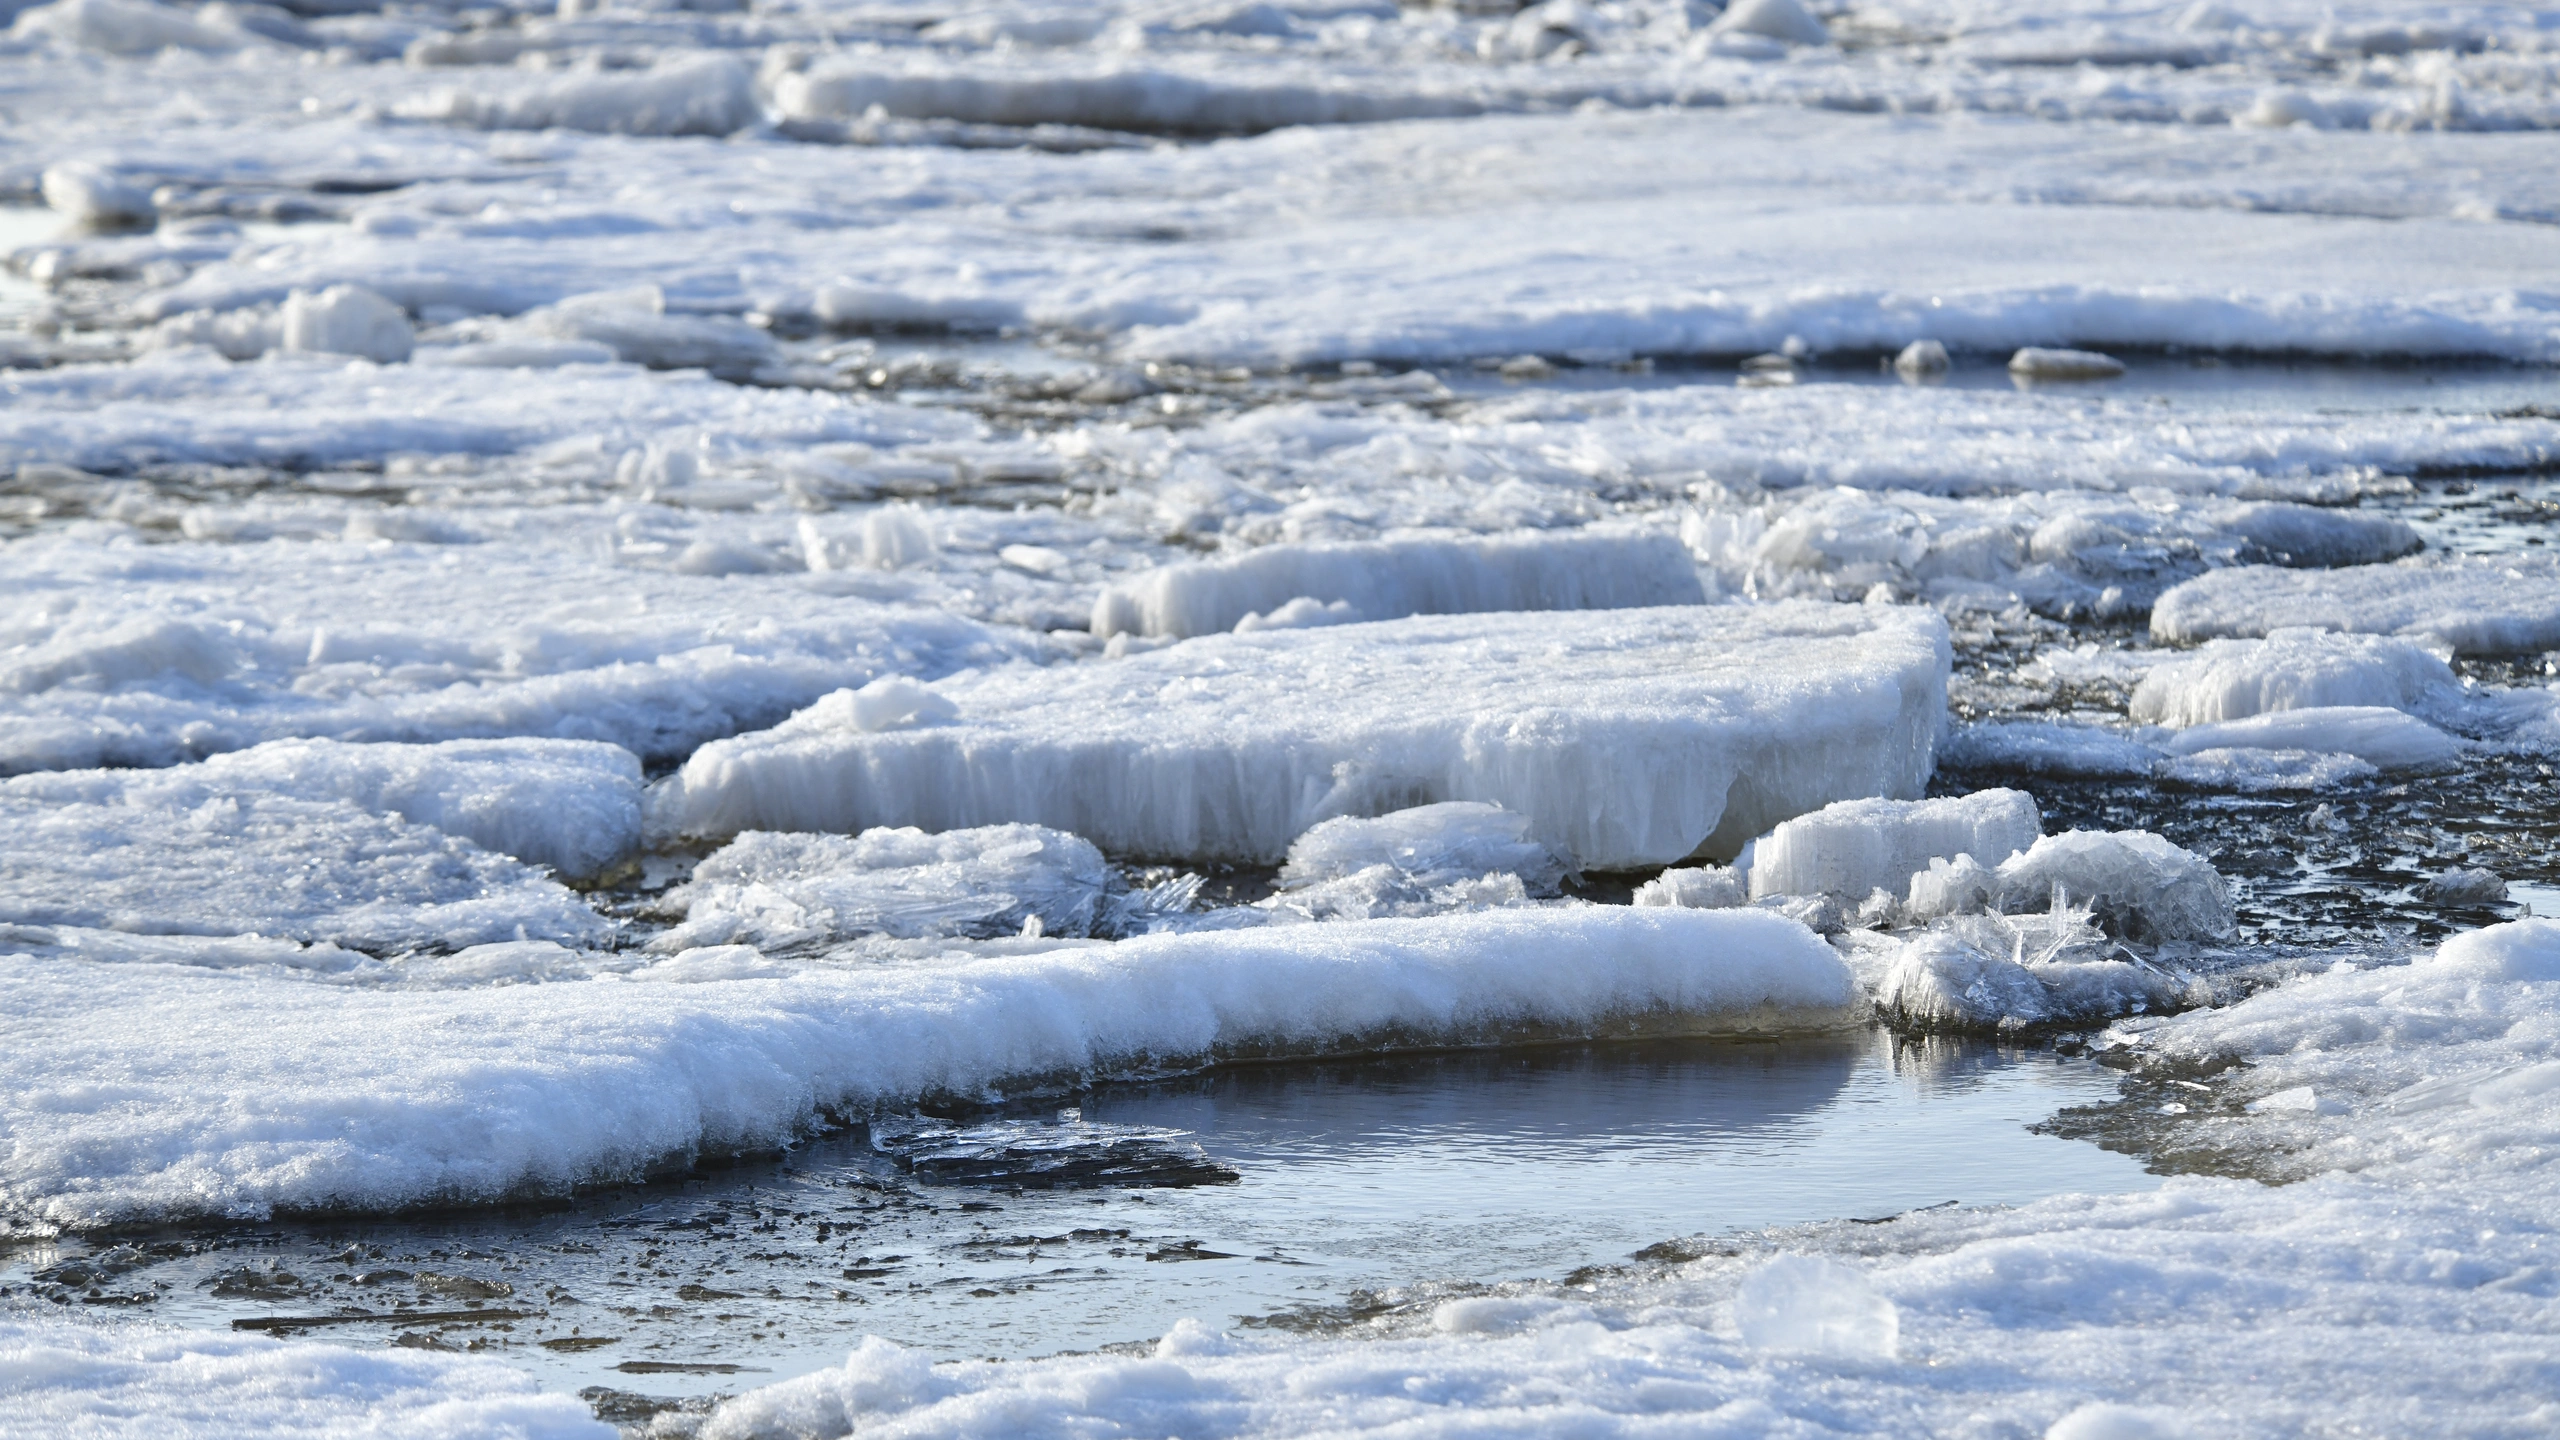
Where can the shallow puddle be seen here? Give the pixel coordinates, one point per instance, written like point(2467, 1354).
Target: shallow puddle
point(1284, 1194)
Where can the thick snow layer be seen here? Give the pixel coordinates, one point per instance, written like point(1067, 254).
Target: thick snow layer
point(2293, 670)
point(2476, 605)
point(293, 841)
point(1626, 736)
point(1388, 579)
point(376, 1099)
point(776, 891)
point(1853, 847)
point(2382, 737)
point(124, 653)
point(66, 1378)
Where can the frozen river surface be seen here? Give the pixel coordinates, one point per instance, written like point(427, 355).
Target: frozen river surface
point(1615, 717)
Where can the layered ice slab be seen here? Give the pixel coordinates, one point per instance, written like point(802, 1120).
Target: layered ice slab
point(376, 1099)
point(2475, 605)
point(129, 654)
point(1283, 585)
point(1628, 737)
point(370, 847)
point(1854, 847)
point(2293, 669)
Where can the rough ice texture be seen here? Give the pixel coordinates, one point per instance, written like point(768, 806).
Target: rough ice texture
point(707, 95)
point(1455, 839)
point(1387, 579)
point(2474, 605)
point(2139, 885)
point(65, 1378)
point(294, 841)
point(1993, 973)
point(775, 891)
point(1626, 736)
point(1702, 887)
point(148, 655)
point(1853, 847)
point(377, 1099)
point(2293, 669)
point(2044, 747)
point(2384, 738)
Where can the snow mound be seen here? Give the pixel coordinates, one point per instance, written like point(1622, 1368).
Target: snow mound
point(2383, 738)
point(707, 95)
point(374, 1099)
point(777, 891)
point(2471, 604)
point(1628, 737)
point(67, 1378)
point(2292, 669)
point(1814, 1305)
point(1388, 579)
point(1854, 847)
point(95, 195)
point(184, 853)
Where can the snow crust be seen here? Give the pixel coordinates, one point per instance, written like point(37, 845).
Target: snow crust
point(1389, 579)
point(1626, 736)
point(2474, 605)
point(381, 1098)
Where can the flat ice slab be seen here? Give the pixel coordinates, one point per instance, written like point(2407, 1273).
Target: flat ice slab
point(1415, 575)
point(1628, 737)
point(2477, 605)
point(379, 1098)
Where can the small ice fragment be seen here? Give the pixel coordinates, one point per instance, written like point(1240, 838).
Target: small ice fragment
point(1526, 367)
point(894, 537)
point(95, 195)
point(1921, 358)
point(1812, 1305)
point(2468, 887)
point(2282, 109)
point(1706, 887)
point(1033, 559)
point(889, 703)
point(1854, 846)
point(1782, 20)
point(347, 320)
point(1450, 841)
point(2301, 1099)
point(2033, 363)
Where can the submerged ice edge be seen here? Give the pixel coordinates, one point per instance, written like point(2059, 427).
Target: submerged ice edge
point(382, 1100)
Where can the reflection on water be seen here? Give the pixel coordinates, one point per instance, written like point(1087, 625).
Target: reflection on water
point(1346, 1177)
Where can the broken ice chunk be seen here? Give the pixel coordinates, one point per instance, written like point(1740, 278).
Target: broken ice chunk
point(346, 320)
point(2503, 605)
point(778, 891)
point(2292, 669)
point(1853, 847)
point(1627, 737)
point(2468, 887)
point(1433, 859)
point(1785, 21)
point(1921, 359)
point(2387, 739)
point(1419, 575)
point(94, 195)
point(2033, 363)
point(1705, 887)
point(2139, 885)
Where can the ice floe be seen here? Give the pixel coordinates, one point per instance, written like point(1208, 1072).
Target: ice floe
point(376, 1099)
point(1389, 579)
point(1626, 736)
point(2474, 605)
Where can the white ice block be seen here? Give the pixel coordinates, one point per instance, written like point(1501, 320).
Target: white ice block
point(2476, 605)
point(1855, 847)
point(1629, 737)
point(1422, 575)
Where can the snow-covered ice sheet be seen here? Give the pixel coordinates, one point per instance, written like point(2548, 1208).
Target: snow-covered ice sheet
point(1626, 736)
point(1389, 579)
point(360, 846)
point(131, 653)
point(2472, 604)
point(377, 1099)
